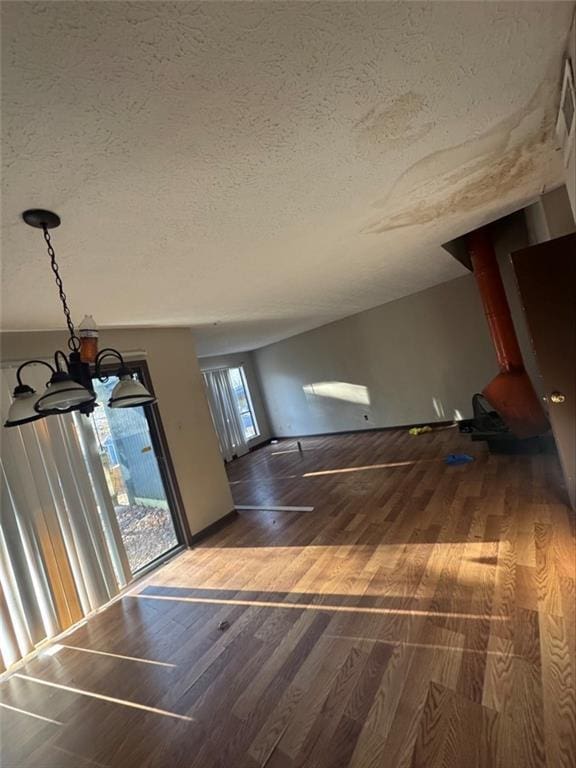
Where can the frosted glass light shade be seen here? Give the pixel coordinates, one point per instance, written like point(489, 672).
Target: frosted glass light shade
point(21, 410)
point(63, 394)
point(129, 393)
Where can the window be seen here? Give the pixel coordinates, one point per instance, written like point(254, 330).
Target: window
point(243, 401)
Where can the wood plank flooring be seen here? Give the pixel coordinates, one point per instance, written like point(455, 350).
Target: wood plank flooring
point(421, 616)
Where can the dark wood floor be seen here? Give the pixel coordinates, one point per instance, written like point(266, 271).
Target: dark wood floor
point(422, 615)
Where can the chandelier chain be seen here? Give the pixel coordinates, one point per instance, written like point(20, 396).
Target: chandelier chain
point(73, 341)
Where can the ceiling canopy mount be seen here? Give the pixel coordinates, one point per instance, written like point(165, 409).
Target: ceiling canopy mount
point(41, 219)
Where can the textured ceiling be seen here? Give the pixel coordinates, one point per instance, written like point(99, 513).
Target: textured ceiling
point(257, 169)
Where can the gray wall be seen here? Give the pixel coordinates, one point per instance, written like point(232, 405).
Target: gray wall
point(550, 216)
point(245, 359)
point(418, 359)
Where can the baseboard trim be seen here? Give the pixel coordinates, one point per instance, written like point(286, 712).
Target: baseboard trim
point(213, 527)
point(261, 444)
point(433, 424)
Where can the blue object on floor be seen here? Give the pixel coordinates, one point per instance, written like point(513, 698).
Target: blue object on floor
point(458, 458)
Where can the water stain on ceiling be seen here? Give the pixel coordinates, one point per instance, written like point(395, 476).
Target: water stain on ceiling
point(475, 173)
point(396, 123)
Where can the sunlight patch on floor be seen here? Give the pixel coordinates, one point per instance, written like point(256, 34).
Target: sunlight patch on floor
point(321, 607)
point(102, 697)
point(433, 646)
point(118, 656)
point(30, 714)
point(387, 465)
point(349, 563)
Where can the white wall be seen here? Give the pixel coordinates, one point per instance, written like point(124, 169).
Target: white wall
point(418, 359)
point(182, 403)
point(246, 360)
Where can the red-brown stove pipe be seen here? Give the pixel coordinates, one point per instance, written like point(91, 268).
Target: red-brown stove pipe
point(511, 393)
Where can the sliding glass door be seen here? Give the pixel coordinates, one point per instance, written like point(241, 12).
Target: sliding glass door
point(87, 503)
point(134, 479)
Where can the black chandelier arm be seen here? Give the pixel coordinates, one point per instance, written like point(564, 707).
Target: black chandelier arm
point(73, 341)
point(59, 354)
point(108, 352)
point(102, 355)
point(31, 362)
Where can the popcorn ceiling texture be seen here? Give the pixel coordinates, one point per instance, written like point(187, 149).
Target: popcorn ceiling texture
point(257, 169)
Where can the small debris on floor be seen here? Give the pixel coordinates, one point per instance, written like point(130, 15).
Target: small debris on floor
point(419, 430)
point(453, 459)
point(223, 626)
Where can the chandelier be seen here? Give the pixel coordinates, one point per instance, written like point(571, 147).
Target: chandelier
point(70, 385)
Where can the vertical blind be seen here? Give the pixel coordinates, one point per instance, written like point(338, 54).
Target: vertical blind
point(61, 554)
point(225, 413)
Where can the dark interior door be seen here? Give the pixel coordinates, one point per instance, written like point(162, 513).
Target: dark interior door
point(546, 276)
